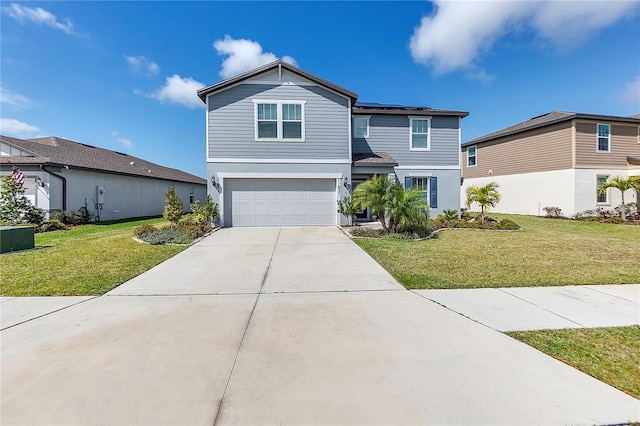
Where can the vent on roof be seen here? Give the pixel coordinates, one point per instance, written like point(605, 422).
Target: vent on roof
point(121, 153)
point(88, 146)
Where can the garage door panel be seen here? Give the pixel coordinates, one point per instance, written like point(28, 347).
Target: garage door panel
point(280, 202)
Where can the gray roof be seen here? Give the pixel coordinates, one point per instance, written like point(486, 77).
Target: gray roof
point(548, 119)
point(375, 108)
point(369, 159)
point(60, 152)
point(633, 160)
point(202, 93)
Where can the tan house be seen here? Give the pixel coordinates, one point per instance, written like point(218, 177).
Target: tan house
point(555, 160)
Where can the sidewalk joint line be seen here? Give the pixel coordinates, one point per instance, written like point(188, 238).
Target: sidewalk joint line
point(246, 328)
point(47, 313)
point(609, 294)
point(543, 308)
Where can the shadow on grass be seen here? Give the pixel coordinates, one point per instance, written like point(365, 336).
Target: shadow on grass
point(127, 220)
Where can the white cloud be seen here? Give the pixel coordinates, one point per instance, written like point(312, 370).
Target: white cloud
point(181, 91)
point(38, 16)
point(460, 31)
point(127, 143)
point(632, 91)
point(243, 55)
point(15, 100)
point(142, 65)
point(12, 127)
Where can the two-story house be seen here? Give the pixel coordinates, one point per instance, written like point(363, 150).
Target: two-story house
point(557, 159)
point(284, 145)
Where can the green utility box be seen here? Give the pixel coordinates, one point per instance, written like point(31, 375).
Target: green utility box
point(15, 238)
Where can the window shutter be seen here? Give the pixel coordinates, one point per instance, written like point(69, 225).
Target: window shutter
point(433, 192)
point(407, 182)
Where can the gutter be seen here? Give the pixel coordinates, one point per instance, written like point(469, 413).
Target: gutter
point(64, 186)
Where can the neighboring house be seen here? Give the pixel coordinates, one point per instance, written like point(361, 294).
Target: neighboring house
point(284, 145)
point(65, 175)
point(555, 160)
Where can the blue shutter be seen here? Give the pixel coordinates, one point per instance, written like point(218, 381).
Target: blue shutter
point(433, 192)
point(407, 182)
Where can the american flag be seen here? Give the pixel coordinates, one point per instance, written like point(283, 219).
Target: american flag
point(18, 176)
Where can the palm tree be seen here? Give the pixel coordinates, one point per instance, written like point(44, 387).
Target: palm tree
point(376, 195)
point(407, 206)
point(486, 196)
point(633, 182)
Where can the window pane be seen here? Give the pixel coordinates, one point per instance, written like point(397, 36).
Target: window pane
point(292, 112)
point(418, 141)
point(419, 126)
point(472, 151)
point(267, 112)
point(603, 130)
point(292, 130)
point(472, 161)
point(603, 144)
point(267, 129)
point(602, 198)
point(361, 125)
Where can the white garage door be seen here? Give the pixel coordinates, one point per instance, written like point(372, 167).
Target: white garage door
point(279, 202)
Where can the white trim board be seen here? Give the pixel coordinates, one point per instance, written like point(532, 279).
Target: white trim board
point(258, 175)
point(427, 167)
point(276, 161)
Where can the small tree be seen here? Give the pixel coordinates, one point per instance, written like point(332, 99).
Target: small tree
point(207, 212)
point(375, 194)
point(348, 207)
point(14, 206)
point(633, 182)
point(406, 206)
point(173, 208)
point(486, 196)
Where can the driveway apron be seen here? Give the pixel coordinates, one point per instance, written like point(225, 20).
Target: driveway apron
point(283, 326)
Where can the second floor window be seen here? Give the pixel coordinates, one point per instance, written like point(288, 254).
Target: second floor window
point(279, 120)
point(361, 127)
point(471, 156)
point(420, 134)
point(603, 137)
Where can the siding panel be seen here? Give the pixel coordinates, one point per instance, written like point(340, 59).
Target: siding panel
point(537, 150)
point(390, 134)
point(231, 123)
point(623, 142)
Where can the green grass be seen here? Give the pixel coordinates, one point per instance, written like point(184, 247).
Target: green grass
point(85, 260)
point(608, 354)
point(545, 252)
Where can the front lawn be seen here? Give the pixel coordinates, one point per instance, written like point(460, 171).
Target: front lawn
point(608, 354)
point(545, 252)
point(85, 260)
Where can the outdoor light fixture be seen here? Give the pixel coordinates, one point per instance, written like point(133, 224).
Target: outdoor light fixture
point(39, 181)
point(213, 180)
point(346, 182)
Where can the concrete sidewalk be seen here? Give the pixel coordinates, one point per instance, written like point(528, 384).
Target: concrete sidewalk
point(283, 326)
point(538, 308)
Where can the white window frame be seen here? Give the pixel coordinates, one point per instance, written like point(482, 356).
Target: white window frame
point(608, 200)
point(355, 128)
point(427, 186)
point(423, 118)
point(475, 156)
point(280, 120)
point(598, 137)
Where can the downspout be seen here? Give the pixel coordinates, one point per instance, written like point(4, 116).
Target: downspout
point(64, 186)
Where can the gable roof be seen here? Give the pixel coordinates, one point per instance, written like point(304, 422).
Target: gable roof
point(59, 152)
point(375, 108)
point(222, 85)
point(548, 119)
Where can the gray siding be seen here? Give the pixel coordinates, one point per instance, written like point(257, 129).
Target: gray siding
point(448, 187)
point(232, 131)
point(390, 134)
point(286, 76)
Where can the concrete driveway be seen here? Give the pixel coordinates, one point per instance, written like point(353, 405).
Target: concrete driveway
point(283, 326)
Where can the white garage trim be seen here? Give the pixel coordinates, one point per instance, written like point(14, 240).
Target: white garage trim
point(276, 160)
point(239, 175)
point(279, 201)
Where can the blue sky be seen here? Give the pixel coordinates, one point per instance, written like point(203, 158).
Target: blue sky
point(123, 75)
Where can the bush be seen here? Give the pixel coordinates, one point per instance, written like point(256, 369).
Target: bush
point(365, 231)
point(614, 219)
point(206, 213)
point(415, 231)
point(631, 210)
point(35, 216)
point(166, 236)
point(82, 216)
point(144, 231)
point(553, 211)
point(50, 225)
point(508, 225)
point(192, 227)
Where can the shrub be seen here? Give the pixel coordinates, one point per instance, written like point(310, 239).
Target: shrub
point(144, 231)
point(82, 216)
point(365, 231)
point(631, 210)
point(35, 216)
point(614, 219)
point(166, 236)
point(50, 225)
point(553, 211)
point(173, 208)
point(206, 213)
point(192, 227)
point(415, 231)
point(508, 225)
